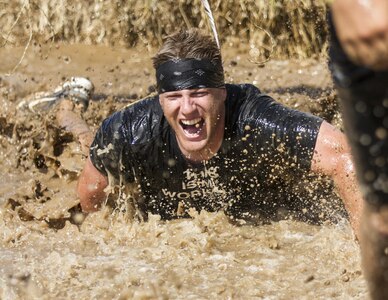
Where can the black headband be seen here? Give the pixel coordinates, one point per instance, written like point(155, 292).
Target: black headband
point(189, 73)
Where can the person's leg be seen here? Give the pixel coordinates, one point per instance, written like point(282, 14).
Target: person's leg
point(364, 99)
point(374, 249)
point(365, 112)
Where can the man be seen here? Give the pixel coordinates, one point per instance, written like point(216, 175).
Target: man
point(205, 144)
point(359, 62)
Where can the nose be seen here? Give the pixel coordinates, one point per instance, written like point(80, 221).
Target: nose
point(187, 105)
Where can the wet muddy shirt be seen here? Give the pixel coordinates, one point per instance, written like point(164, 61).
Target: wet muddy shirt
point(264, 144)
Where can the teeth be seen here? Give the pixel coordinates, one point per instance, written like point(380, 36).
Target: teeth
point(192, 122)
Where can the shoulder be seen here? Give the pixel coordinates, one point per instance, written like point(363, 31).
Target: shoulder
point(136, 122)
point(241, 94)
point(135, 112)
point(245, 101)
point(119, 137)
point(242, 91)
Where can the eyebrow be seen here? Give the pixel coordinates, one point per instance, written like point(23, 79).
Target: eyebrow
point(173, 94)
point(194, 91)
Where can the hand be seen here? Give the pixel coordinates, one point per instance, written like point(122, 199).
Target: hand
point(362, 28)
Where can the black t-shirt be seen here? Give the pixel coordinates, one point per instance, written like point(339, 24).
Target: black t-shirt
point(264, 143)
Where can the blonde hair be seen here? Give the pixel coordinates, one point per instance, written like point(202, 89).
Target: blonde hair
point(190, 43)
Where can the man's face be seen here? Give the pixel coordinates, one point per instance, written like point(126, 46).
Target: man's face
point(197, 117)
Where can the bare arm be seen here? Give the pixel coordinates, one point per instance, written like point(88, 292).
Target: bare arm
point(91, 183)
point(91, 186)
point(332, 157)
point(71, 121)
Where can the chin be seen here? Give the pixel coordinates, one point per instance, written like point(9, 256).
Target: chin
point(193, 148)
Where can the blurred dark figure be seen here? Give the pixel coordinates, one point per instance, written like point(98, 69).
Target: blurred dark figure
point(359, 65)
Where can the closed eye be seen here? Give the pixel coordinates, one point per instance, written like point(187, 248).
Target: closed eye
point(173, 97)
point(199, 94)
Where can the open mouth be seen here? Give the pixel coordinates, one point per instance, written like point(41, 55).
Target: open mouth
point(193, 126)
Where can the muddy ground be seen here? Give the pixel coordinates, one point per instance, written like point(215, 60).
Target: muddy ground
point(49, 249)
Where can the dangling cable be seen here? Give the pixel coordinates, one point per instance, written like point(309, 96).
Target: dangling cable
point(209, 13)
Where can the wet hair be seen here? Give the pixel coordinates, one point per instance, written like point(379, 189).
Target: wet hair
point(190, 43)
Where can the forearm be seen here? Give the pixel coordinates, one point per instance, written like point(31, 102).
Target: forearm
point(91, 196)
point(91, 188)
point(332, 158)
point(72, 122)
point(348, 189)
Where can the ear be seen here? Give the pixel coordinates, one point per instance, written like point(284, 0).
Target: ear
point(223, 94)
point(161, 100)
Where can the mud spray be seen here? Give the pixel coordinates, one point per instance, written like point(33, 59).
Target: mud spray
point(48, 249)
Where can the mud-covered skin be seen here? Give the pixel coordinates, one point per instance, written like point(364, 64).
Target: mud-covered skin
point(264, 143)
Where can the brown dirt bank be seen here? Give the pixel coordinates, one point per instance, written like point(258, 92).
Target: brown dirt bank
point(298, 26)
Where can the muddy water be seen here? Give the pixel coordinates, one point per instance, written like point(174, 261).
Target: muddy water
point(48, 249)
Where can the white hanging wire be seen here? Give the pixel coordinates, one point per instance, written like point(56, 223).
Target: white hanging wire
point(209, 13)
